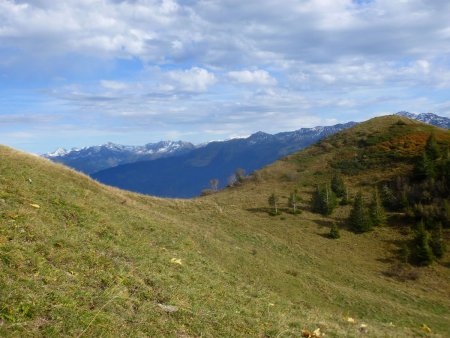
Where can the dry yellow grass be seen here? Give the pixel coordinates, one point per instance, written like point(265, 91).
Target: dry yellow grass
point(98, 261)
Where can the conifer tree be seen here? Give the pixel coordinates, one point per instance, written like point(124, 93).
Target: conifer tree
point(405, 253)
point(324, 200)
point(316, 203)
point(273, 202)
point(293, 201)
point(337, 185)
point(422, 251)
point(446, 213)
point(376, 210)
point(334, 232)
point(359, 220)
point(437, 242)
point(422, 167)
point(329, 201)
point(346, 198)
point(432, 149)
point(388, 198)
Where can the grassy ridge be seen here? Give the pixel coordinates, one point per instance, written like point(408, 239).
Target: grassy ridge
point(93, 260)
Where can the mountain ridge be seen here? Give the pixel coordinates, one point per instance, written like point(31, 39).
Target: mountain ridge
point(95, 158)
point(187, 175)
point(429, 118)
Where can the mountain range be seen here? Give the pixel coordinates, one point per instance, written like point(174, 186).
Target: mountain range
point(180, 169)
point(187, 175)
point(429, 118)
point(92, 159)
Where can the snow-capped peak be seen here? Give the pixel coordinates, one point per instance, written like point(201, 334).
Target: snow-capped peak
point(430, 118)
point(57, 152)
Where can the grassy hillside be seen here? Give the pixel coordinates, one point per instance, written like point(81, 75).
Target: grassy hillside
point(81, 259)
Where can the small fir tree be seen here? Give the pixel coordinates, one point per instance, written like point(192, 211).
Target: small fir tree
point(437, 242)
point(359, 220)
point(405, 253)
point(316, 202)
point(293, 201)
point(346, 198)
point(420, 171)
point(432, 149)
point(337, 185)
point(376, 210)
point(334, 232)
point(330, 201)
point(423, 254)
point(445, 213)
point(273, 202)
point(388, 198)
point(324, 200)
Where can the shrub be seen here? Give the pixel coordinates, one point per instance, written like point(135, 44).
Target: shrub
point(334, 232)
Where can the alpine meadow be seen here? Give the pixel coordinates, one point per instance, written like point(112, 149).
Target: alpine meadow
point(82, 259)
point(225, 168)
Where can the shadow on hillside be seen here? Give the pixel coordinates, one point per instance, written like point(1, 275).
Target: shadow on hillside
point(397, 270)
point(260, 210)
point(394, 253)
point(324, 224)
point(269, 211)
point(445, 264)
point(327, 225)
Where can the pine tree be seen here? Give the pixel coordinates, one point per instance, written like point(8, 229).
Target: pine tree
point(432, 149)
point(329, 201)
point(445, 213)
point(324, 200)
point(422, 167)
point(388, 198)
point(346, 198)
point(359, 220)
point(423, 254)
point(337, 185)
point(405, 253)
point(376, 210)
point(293, 201)
point(273, 202)
point(334, 232)
point(316, 202)
point(437, 242)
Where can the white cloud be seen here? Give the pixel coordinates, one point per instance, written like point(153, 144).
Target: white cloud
point(258, 77)
point(241, 65)
point(193, 80)
point(113, 85)
point(228, 31)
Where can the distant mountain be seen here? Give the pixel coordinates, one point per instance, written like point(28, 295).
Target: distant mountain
point(92, 159)
point(430, 118)
point(187, 175)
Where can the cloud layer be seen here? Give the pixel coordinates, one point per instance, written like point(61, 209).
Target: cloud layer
point(139, 70)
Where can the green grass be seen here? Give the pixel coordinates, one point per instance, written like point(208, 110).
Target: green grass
point(97, 261)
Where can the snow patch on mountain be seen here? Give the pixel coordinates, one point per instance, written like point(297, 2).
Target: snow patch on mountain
point(430, 118)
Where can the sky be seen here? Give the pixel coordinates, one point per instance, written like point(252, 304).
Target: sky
point(84, 72)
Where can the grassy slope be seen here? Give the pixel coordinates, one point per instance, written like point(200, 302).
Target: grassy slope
point(93, 260)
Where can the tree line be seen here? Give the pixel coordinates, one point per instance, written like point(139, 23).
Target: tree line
point(421, 197)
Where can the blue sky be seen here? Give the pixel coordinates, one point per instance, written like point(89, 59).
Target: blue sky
point(83, 72)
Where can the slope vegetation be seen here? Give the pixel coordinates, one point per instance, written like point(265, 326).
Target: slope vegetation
point(81, 259)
